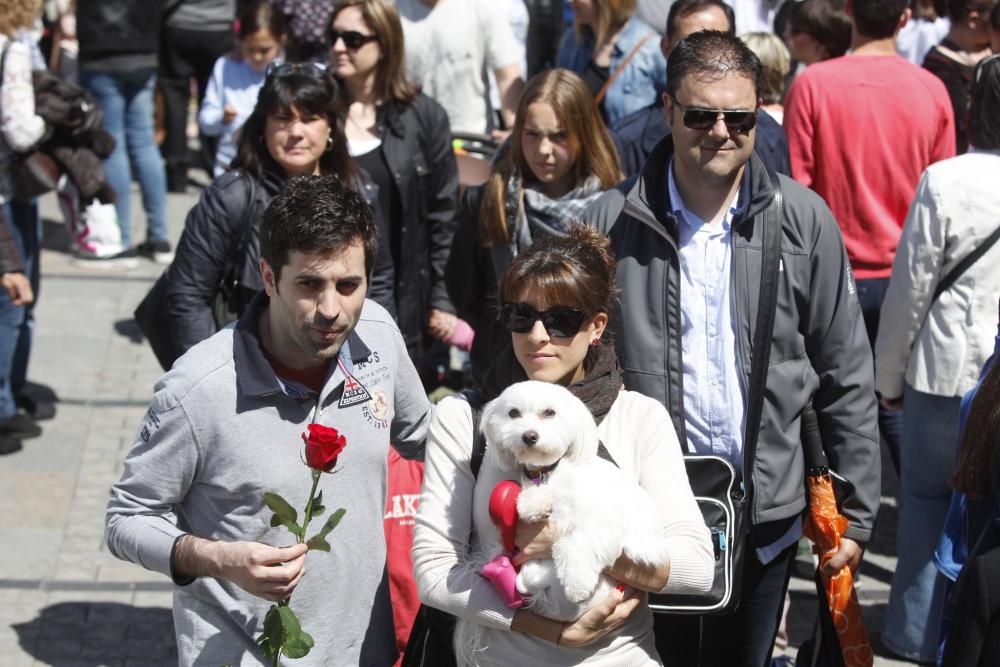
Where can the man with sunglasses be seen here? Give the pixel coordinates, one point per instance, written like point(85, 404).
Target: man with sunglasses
point(637, 134)
point(687, 234)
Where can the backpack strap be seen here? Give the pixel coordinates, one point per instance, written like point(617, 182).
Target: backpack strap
point(476, 403)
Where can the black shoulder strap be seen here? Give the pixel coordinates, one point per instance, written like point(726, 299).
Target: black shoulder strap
point(964, 265)
point(475, 400)
point(760, 359)
point(230, 269)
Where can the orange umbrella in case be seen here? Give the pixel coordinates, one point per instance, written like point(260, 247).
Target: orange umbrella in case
point(825, 525)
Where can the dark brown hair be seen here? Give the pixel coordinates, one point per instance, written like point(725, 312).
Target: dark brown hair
point(574, 271)
point(593, 151)
point(316, 214)
point(979, 441)
point(310, 93)
point(826, 22)
point(382, 18)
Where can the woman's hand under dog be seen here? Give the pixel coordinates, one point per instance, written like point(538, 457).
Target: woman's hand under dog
point(604, 617)
point(533, 540)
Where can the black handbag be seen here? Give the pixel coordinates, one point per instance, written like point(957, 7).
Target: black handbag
point(153, 315)
point(723, 499)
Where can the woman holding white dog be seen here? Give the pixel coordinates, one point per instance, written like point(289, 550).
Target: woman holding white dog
point(555, 299)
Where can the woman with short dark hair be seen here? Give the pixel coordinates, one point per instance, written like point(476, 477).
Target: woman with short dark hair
point(294, 129)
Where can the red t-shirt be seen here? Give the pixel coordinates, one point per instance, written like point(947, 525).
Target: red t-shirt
point(861, 130)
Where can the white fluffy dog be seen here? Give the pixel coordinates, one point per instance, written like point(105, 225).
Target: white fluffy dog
point(548, 435)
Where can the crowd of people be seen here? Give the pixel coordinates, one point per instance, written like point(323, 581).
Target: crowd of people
point(662, 183)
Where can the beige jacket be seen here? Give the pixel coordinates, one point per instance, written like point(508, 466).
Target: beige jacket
point(939, 348)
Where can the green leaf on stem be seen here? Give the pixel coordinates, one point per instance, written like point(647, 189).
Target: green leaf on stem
point(284, 514)
point(331, 523)
point(297, 642)
point(318, 507)
point(273, 636)
point(317, 543)
point(300, 647)
point(280, 506)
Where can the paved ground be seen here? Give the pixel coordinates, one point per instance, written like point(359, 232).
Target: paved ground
point(64, 600)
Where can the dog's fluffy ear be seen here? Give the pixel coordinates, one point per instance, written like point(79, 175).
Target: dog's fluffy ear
point(491, 424)
point(584, 445)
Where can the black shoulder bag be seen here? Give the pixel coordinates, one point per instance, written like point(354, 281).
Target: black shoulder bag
point(723, 499)
point(152, 314)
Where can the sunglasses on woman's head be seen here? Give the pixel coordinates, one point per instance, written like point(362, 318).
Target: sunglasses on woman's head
point(278, 70)
point(353, 39)
point(696, 118)
point(559, 322)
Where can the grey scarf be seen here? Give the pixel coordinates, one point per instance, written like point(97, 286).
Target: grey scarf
point(531, 214)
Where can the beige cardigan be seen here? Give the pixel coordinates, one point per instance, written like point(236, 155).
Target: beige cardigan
point(640, 436)
point(939, 349)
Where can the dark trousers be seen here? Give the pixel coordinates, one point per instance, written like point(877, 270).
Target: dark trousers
point(187, 54)
point(744, 638)
point(871, 294)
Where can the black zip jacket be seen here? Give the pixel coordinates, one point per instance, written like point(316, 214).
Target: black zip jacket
point(416, 145)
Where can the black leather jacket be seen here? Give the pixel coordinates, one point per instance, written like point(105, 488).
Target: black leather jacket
point(416, 145)
point(213, 230)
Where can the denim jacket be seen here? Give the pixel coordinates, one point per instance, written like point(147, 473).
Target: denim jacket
point(641, 82)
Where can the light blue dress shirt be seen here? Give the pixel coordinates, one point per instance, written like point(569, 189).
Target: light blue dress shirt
point(714, 398)
point(714, 403)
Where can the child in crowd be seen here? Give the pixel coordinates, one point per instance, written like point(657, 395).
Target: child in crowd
point(238, 77)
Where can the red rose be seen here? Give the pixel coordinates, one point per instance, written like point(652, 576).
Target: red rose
point(323, 446)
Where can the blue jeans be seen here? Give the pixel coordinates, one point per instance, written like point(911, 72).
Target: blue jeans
point(927, 461)
point(871, 294)
point(126, 98)
point(14, 320)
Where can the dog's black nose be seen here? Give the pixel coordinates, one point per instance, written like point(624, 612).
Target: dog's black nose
point(529, 437)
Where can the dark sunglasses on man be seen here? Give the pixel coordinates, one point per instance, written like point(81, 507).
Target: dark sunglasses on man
point(697, 118)
point(559, 322)
point(278, 70)
point(353, 39)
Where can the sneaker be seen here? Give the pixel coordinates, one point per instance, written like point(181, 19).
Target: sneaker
point(9, 445)
point(126, 259)
point(19, 426)
point(158, 251)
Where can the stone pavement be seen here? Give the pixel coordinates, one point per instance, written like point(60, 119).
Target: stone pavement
point(64, 600)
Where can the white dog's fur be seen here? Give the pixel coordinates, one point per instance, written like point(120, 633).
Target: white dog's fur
point(597, 511)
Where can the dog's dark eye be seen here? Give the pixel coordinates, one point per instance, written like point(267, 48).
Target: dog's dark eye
point(514, 413)
point(548, 412)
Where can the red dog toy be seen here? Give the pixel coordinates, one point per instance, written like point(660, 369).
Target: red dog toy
point(500, 571)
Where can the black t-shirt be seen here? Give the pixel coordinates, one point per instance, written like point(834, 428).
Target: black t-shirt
point(388, 196)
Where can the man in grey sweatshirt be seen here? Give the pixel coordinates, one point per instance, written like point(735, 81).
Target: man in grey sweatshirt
point(225, 426)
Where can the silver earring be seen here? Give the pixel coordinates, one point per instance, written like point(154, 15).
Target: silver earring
point(329, 142)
